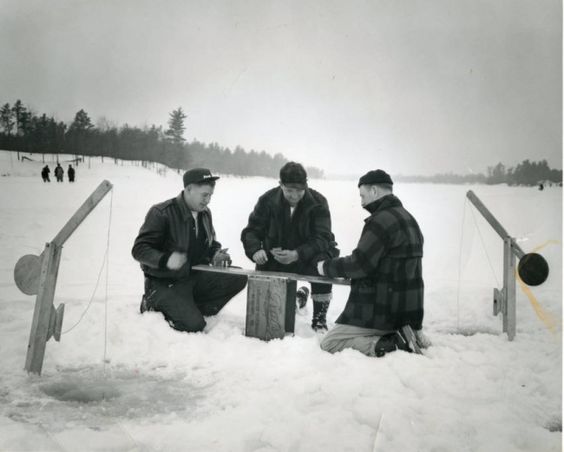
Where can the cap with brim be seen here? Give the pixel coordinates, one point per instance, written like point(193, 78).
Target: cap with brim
point(295, 185)
point(198, 176)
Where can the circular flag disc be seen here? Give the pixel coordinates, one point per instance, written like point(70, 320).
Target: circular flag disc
point(533, 269)
point(26, 274)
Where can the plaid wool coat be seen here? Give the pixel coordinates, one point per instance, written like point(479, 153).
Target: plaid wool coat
point(308, 231)
point(385, 270)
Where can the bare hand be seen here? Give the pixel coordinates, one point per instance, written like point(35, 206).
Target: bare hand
point(176, 260)
point(221, 256)
point(285, 257)
point(260, 257)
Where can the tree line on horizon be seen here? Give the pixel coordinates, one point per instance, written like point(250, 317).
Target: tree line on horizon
point(525, 173)
point(23, 131)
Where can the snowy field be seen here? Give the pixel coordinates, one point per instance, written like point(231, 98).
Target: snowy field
point(121, 381)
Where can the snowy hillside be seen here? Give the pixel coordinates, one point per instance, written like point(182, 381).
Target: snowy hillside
point(123, 381)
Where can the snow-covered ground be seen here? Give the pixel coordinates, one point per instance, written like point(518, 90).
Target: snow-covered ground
point(123, 381)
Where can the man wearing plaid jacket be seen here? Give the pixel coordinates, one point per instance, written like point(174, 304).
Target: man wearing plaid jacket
point(385, 304)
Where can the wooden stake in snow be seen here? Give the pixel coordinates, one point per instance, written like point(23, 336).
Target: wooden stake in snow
point(37, 275)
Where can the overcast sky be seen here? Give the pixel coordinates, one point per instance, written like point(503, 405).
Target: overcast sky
point(411, 86)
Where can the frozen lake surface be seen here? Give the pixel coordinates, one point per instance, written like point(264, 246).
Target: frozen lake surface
point(123, 381)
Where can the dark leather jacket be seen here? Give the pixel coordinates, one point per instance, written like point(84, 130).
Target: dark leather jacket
point(167, 229)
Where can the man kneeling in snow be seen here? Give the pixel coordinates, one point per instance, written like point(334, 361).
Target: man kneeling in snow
point(176, 235)
point(385, 304)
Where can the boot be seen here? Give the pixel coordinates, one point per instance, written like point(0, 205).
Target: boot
point(143, 307)
point(320, 307)
point(403, 339)
point(146, 305)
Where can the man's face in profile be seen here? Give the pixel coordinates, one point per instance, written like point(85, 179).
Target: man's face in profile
point(367, 194)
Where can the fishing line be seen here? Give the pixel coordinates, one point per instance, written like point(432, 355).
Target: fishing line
point(104, 261)
point(484, 247)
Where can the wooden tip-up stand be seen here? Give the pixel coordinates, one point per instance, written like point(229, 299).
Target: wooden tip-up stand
point(532, 269)
point(37, 275)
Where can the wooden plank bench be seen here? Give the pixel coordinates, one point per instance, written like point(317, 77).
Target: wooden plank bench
point(271, 299)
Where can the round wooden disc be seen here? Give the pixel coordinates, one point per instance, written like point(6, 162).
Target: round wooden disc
point(533, 269)
point(26, 274)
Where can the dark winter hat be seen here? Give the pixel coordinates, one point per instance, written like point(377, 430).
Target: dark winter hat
point(198, 176)
point(293, 173)
point(375, 177)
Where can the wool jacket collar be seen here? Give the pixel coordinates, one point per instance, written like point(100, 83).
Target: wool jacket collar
point(306, 202)
point(187, 216)
point(382, 203)
point(184, 209)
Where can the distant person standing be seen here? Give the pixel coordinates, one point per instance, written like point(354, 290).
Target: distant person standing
point(59, 172)
point(289, 231)
point(70, 173)
point(45, 173)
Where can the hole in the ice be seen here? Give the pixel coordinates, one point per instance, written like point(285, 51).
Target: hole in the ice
point(80, 391)
point(123, 392)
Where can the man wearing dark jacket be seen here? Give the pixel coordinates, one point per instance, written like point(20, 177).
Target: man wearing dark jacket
point(289, 230)
point(176, 235)
point(385, 303)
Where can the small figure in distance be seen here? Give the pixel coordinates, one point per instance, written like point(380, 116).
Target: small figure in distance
point(59, 172)
point(70, 173)
point(45, 173)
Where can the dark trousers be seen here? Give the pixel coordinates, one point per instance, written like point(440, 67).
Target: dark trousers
point(184, 303)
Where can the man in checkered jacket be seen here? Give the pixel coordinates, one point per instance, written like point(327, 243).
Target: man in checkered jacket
point(384, 311)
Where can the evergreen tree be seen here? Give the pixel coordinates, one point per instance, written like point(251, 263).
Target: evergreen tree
point(19, 112)
point(496, 174)
point(81, 123)
point(176, 126)
point(78, 137)
point(7, 119)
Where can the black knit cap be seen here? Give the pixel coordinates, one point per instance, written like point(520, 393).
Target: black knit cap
point(198, 176)
point(375, 177)
point(293, 173)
